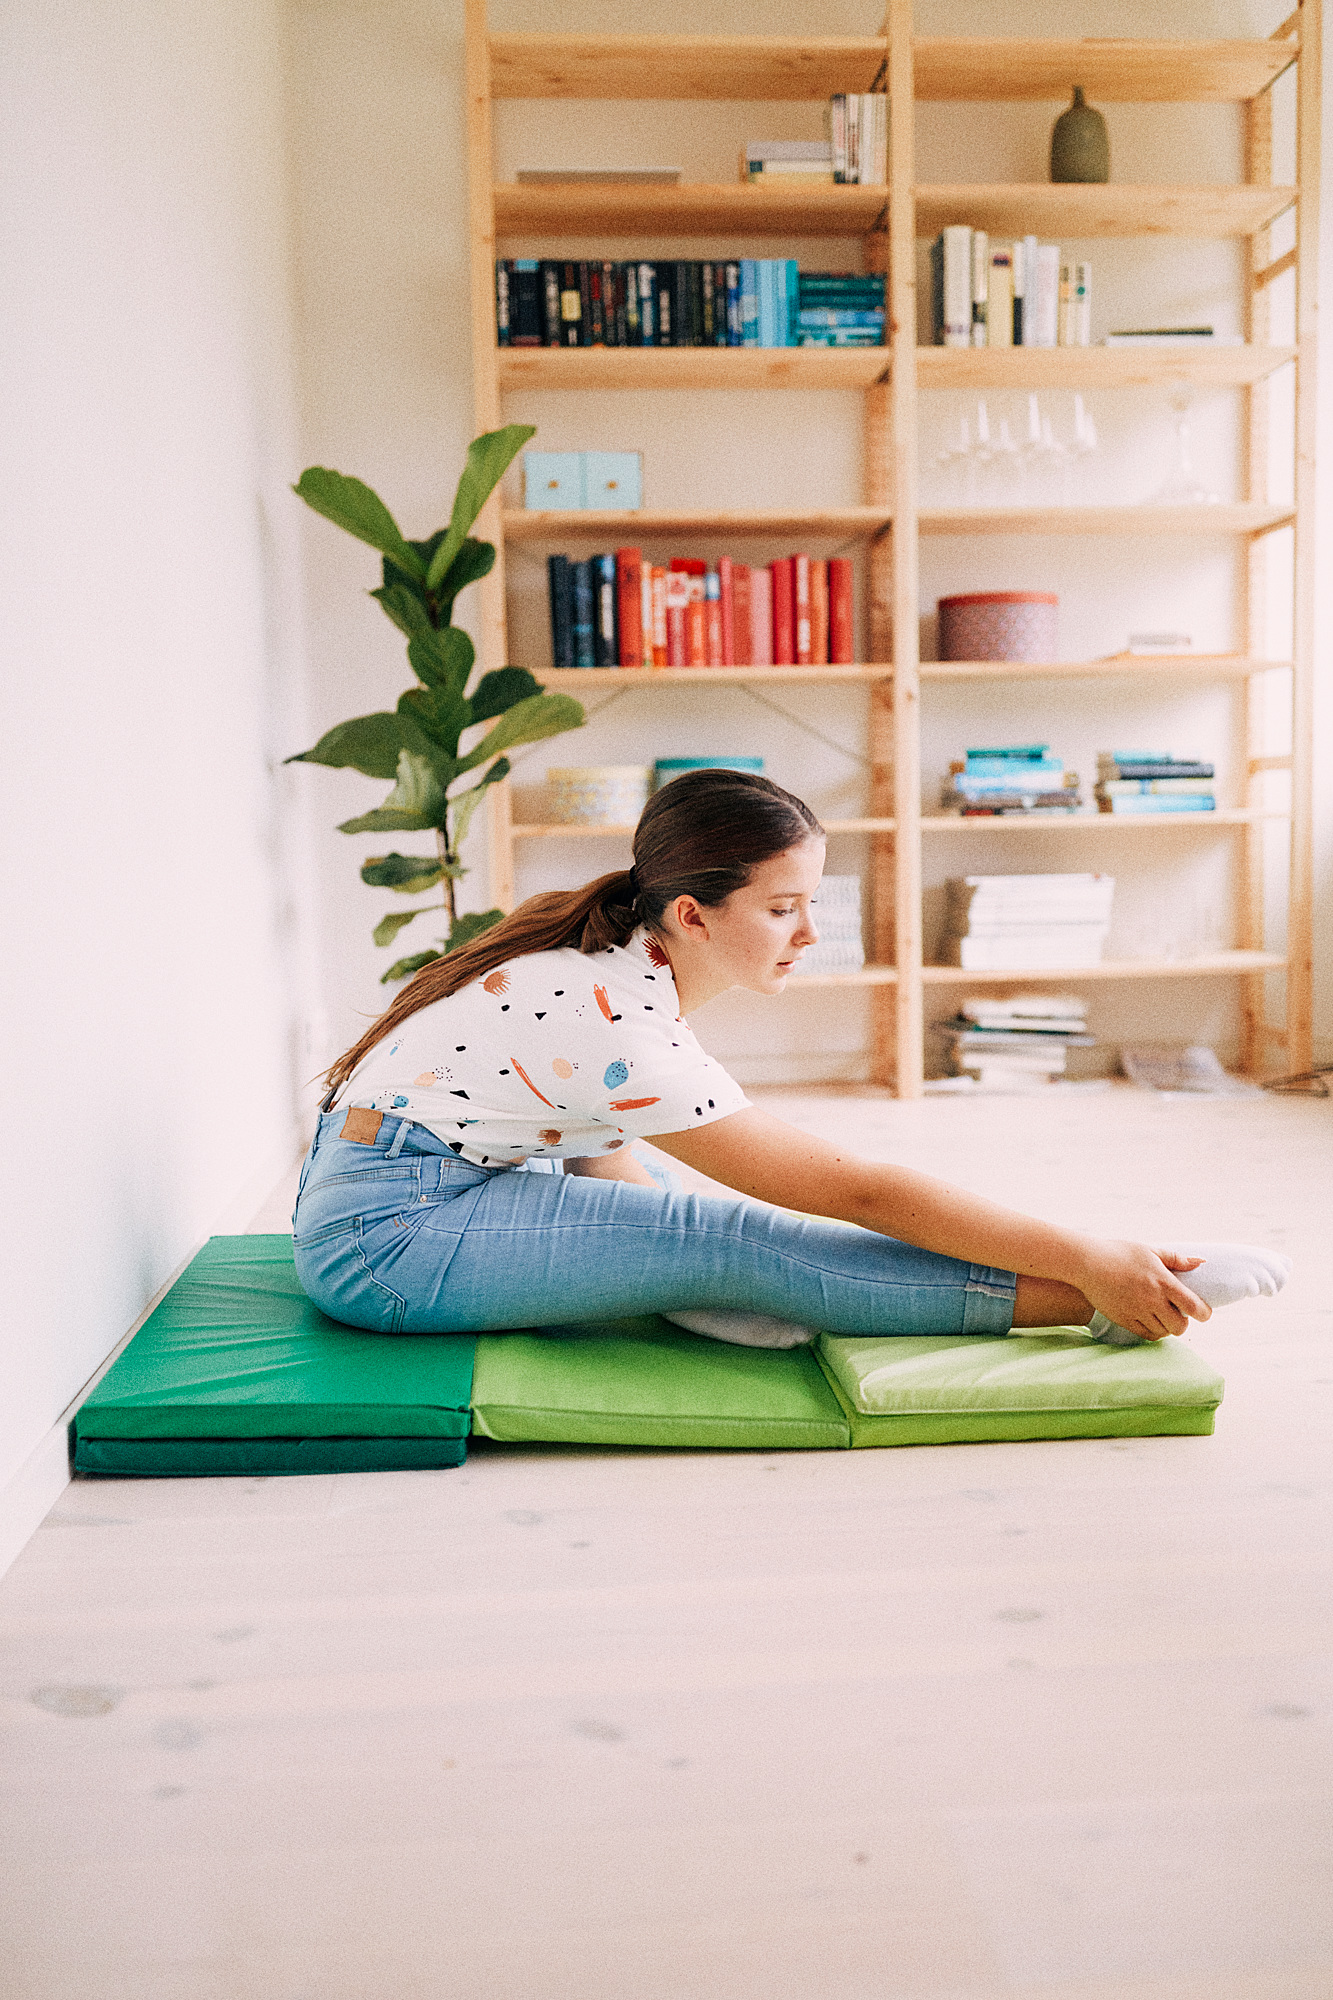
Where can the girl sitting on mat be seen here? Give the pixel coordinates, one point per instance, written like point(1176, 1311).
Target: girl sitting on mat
point(481, 1173)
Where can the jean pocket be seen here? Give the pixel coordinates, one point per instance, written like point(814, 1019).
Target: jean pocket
point(333, 1270)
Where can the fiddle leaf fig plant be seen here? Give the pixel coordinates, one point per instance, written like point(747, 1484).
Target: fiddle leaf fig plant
point(419, 744)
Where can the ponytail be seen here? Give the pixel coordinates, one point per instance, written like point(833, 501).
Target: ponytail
point(699, 836)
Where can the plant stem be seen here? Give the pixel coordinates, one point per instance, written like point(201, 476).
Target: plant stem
point(447, 859)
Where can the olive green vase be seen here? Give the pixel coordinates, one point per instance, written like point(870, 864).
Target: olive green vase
point(1080, 149)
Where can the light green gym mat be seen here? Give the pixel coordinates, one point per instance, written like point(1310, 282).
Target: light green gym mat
point(972, 1388)
point(237, 1372)
point(646, 1382)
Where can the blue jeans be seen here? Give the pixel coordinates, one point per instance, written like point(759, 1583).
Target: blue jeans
point(404, 1237)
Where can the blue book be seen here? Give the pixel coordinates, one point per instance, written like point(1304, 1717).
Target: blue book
point(583, 615)
point(791, 301)
point(839, 316)
point(764, 285)
point(605, 637)
point(749, 302)
point(734, 335)
point(1160, 802)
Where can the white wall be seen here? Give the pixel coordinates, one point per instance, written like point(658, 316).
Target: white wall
point(152, 972)
point(378, 124)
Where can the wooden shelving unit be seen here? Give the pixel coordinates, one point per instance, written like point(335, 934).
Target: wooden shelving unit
point(888, 520)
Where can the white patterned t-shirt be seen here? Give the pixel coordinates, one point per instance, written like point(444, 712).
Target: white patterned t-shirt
point(555, 1053)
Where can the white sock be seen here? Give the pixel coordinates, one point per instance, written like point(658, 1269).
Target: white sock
point(1229, 1272)
point(743, 1329)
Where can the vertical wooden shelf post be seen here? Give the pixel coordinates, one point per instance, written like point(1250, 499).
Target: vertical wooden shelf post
point(1300, 915)
point(906, 687)
point(1259, 171)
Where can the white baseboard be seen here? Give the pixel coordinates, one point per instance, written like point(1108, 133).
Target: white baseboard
point(32, 1492)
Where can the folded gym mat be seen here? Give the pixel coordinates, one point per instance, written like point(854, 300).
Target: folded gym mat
point(237, 1372)
point(973, 1388)
point(646, 1382)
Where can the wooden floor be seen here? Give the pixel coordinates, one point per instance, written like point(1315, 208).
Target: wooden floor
point(1046, 1720)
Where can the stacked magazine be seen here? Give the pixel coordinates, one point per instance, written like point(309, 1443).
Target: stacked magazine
point(1026, 923)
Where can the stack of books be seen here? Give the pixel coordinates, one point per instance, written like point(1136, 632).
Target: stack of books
point(858, 127)
point(1153, 781)
point(1019, 294)
point(618, 611)
point(1026, 923)
point(1016, 1042)
point(740, 302)
point(792, 162)
point(1010, 782)
point(837, 914)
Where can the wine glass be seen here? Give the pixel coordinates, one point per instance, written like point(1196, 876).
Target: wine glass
point(1182, 487)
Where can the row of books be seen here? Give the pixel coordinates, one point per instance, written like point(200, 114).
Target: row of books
point(1153, 781)
point(1013, 1043)
point(1020, 294)
point(741, 302)
point(1026, 923)
point(616, 610)
point(854, 154)
point(837, 914)
point(1013, 781)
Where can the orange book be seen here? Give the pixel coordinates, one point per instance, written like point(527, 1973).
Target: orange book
point(696, 632)
point(840, 618)
point(629, 606)
point(819, 614)
point(677, 604)
point(659, 625)
point(801, 593)
point(714, 644)
point(742, 636)
point(646, 611)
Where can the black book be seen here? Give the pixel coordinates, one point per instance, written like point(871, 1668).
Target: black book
point(585, 296)
point(682, 324)
point(1182, 768)
point(694, 303)
point(647, 305)
point(707, 304)
point(596, 306)
point(526, 310)
point(664, 286)
point(605, 648)
point(620, 293)
point(560, 578)
point(584, 609)
point(571, 307)
point(551, 302)
point(629, 290)
point(501, 302)
point(720, 305)
point(733, 305)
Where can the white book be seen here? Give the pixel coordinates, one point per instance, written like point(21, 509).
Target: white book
point(957, 286)
point(980, 285)
point(1081, 329)
point(1046, 300)
point(1069, 947)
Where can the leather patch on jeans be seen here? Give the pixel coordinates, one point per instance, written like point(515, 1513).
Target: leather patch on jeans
point(362, 1127)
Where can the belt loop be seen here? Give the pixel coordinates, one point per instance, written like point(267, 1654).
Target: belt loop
point(398, 1139)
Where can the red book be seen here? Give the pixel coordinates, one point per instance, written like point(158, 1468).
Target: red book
point(726, 579)
point(761, 617)
point(819, 614)
point(696, 633)
point(801, 593)
point(784, 611)
point(677, 603)
point(742, 632)
point(840, 611)
point(659, 587)
point(629, 606)
point(713, 622)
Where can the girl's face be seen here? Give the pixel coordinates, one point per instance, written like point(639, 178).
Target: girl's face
point(760, 932)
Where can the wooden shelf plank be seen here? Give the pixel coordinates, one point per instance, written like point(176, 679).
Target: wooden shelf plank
point(1098, 822)
point(1095, 367)
point(535, 830)
point(1157, 666)
point(1209, 965)
point(692, 367)
point(865, 975)
point(696, 208)
point(586, 680)
point(981, 69)
point(825, 524)
point(1079, 211)
point(1240, 517)
point(746, 68)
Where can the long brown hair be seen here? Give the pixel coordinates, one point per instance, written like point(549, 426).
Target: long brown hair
point(700, 836)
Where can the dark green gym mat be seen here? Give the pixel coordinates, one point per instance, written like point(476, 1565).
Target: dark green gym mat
point(237, 1372)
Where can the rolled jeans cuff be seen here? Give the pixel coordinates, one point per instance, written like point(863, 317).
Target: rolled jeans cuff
point(988, 1300)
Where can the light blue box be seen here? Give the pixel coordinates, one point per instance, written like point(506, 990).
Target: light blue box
point(553, 480)
point(613, 480)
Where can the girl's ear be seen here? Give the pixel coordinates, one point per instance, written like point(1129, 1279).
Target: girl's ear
point(691, 919)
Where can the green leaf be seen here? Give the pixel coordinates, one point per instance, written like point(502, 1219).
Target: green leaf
point(369, 743)
point(442, 659)
point(406, 607)
point(401, 967)
point(463, 804)
point(416, 802)
point(499, 690)
point(488, 459)
point(527, 722)
point(352, 505)
point(474, 925)
point(387, 929)
point(441, 715)
point(408, 874)
point(474, 561)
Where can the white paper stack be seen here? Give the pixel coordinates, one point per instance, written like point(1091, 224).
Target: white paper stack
point(1027, 923)
point(837, 914)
